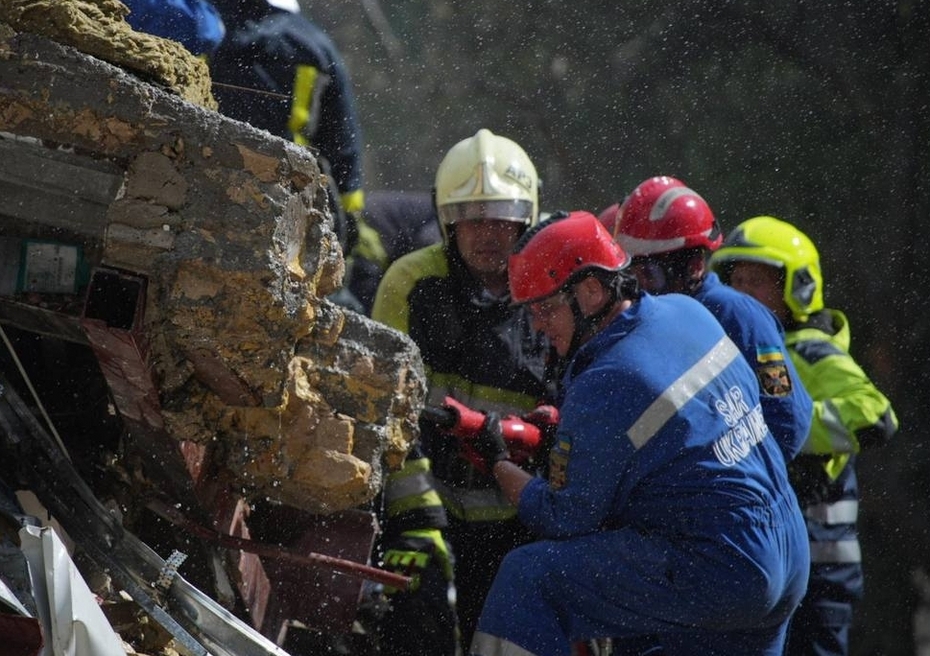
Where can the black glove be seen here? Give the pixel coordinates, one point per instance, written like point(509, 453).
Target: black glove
point(489, 444)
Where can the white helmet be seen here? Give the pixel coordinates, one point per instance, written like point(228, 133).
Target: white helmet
point(486, 177)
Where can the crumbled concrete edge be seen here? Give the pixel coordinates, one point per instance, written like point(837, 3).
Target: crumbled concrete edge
point(99, 28)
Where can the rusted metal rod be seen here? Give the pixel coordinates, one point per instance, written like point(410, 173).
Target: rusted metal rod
point(312, 559)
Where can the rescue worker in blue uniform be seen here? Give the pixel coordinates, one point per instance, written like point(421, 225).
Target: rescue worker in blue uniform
point(779, 265)
point(669, 230)
point(668, 511)
point(452, 299)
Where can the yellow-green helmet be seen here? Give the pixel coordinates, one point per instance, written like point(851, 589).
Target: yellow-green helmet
point(777, 243)
point(486, 177)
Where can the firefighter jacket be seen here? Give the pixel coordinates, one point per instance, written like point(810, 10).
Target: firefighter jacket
point(760, 337)
point(401, 222)
point(668, 509)
point(283, 74)
point(480, 350)
point(850, 414)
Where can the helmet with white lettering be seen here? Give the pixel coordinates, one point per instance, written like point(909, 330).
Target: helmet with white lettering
point(662, 215)
point(777, 243)
point(486, 177)
point(558, 253)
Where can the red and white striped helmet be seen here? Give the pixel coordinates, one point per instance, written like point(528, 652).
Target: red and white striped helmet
point(663, 215)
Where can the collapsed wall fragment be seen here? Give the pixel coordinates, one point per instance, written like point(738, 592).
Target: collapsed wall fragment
point(206, 251)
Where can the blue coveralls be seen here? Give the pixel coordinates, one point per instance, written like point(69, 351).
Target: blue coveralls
point(668, 510)
point(786, 404)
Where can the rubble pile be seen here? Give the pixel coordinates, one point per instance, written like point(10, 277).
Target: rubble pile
point(226, 230)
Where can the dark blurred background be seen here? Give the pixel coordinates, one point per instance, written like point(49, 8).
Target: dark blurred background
point(815, 112)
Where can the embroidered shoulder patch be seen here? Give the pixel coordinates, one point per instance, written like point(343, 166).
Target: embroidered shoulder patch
point(558, 462)
point(772, 371)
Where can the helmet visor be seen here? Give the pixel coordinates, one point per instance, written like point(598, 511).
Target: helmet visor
point(520, 211)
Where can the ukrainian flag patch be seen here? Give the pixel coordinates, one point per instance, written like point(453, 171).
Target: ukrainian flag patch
point(769, 354)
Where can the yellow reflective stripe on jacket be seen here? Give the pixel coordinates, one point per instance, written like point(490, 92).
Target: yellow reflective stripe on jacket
point(475, 505)
point(411, 488)
point(401, 487)
point(354, 201)
point(305, 79)
point(682, 390)
point(442, 548)
point(834, 466)
point(308, 85)
point(841, 551)
point(477, 397)
point(426, 500)
point(369, 244)
point(391, 306)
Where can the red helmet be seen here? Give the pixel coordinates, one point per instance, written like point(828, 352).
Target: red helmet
point(663, 215)
point(551, 256)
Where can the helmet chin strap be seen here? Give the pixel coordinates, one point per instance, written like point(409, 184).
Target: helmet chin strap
point(586, 327)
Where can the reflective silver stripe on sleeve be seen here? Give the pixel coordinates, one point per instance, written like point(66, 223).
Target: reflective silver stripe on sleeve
point(843, 551)
point(682, 390)
point(841, 441)
point(841, 512)
point(484, 644)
